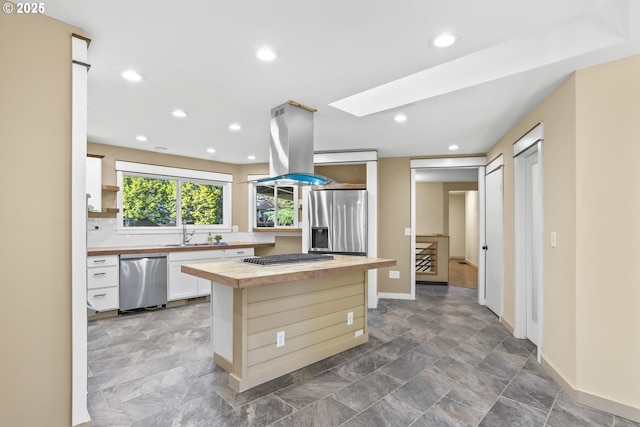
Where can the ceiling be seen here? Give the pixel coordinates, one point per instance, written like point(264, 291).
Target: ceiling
point(358, 62)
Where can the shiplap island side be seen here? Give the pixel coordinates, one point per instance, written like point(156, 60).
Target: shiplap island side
point(309, 302)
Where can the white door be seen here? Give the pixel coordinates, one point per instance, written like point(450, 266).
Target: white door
point(493, 244)
point(533, 239)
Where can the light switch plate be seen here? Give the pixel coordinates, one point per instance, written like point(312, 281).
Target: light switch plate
point(407, 231)
point(280, 339)
point(554, 240)
point(350, 318)
point(394, 274)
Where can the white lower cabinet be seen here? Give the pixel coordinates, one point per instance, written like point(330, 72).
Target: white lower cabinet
point(103, 282)
point(183, 286)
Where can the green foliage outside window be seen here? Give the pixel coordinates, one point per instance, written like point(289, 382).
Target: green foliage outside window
point(202, 203)
point(148, 201)
point(153, 202)
point(285, 214)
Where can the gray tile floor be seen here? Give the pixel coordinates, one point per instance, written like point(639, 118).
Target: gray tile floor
point(441, 360)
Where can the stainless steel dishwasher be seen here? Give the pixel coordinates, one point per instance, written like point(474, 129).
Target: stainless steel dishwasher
point(143, 280)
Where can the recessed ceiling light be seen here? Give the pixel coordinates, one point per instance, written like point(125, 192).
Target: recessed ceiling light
point(444, 40)
point(400, 118)
point(141, 138)
point(251, 157)
point(179, 113)
point(266, 54)
point(132, 76)
point(160, 148)
point(235, 127)
point(453, 147)
point(211, 150)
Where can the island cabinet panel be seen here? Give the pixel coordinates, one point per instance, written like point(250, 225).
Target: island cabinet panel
point(312, 313)
point(320, 307)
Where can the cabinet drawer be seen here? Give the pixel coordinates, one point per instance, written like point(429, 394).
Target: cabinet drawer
point(102, 277)
point(103, 299)
point(238, 253)
point(195, 255)
point(102, 261)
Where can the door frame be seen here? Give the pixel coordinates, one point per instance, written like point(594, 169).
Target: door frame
point(477, 162)
point(521, 242)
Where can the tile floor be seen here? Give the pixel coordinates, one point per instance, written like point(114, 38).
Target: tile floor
point(441, 360)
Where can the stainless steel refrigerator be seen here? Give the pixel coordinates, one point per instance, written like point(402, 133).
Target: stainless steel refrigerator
point(338, 221)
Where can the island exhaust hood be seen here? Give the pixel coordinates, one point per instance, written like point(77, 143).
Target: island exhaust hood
point(291, 147)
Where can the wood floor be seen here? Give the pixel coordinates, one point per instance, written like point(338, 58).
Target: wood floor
point(462, 275)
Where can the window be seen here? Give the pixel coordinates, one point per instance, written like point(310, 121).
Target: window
point(158, 196)
point(274, 206)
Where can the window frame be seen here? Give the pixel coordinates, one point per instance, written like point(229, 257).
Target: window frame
point(180, 175)
point(253, 199)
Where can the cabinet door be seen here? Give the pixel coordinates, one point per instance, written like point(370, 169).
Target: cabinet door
point(181, 286)
point(204, 287)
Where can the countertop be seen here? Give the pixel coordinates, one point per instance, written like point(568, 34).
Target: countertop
point(244, 275)
point(165, 248)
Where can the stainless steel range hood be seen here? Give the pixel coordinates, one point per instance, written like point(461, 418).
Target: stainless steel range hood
point(291, 146)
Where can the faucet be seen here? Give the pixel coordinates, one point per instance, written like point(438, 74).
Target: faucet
point(186, 236)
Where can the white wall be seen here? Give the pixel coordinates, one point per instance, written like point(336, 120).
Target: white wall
point(471, 255)
point(457, 225)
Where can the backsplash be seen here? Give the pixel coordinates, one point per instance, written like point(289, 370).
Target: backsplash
point(106, 236)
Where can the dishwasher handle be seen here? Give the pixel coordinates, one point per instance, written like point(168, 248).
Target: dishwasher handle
point(139, 256)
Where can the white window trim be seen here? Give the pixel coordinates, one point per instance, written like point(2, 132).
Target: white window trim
point(252, 206)
point(142, 169)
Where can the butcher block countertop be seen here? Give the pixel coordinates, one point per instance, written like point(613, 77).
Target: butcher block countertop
point(171, 248)
point(245, 275)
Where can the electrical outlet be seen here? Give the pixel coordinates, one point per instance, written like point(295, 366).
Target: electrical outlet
point(350, 318)
point(394, 274)
point(280, 339)
point(407, 231)
point(554, 242)
point(234, 228)
point(359, 333)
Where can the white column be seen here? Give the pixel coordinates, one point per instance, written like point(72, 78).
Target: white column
point(79, 412)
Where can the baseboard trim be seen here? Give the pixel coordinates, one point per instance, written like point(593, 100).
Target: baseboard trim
point(390, 295)
point(469, 263)
point(223, 362)
point(559, 378)
point(507, 325)
point(617, 408)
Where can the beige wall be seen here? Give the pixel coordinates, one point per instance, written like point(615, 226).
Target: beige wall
point(35, 165)
point(345, 174)
point(284, 245)
point(394, 204)
point(607, 230)
point(429, 208)
point(472, 235)
point(112, 153)
point(457, 225)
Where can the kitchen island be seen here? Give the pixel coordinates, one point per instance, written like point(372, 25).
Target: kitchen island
point(267, 321)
